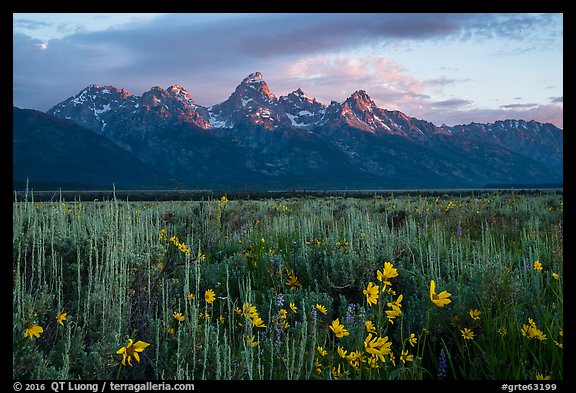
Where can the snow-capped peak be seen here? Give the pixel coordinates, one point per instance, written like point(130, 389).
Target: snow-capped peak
point(254, 86)
point(176, 89)
point(182, 94)
point(299, 92)
point(255, 77)
point(301, 95)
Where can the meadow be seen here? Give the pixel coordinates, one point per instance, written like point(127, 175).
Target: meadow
point(433, 287)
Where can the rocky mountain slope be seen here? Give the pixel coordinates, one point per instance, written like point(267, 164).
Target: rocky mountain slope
point(256, 139)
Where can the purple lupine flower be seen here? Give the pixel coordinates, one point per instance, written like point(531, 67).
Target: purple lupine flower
point(459, 231)
point(278, 333)
point(350, 313)
point(442, 370)
point(280, 300)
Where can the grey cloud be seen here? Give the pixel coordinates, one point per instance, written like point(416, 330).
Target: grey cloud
point(518, 106)
point(452, 103)
point(444, 81)
point(216, 51)
point(543, 113)
point(557, 100)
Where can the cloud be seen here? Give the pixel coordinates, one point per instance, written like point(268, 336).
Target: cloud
point(452, 103)
point(557, 100)
point(553, 114)
point(518, 106)
point(209, 54)
point(29, 24)
point(336, 77)
point(444, 81)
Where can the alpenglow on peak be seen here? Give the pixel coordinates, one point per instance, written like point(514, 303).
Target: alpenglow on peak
point(255, 77)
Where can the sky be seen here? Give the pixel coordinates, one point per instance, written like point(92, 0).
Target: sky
point(445, 68)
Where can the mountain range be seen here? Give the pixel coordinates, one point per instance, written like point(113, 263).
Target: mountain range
point(254, 139)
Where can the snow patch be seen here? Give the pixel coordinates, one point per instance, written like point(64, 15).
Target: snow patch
point(105, 108)
point(292, 119)
point(105, 91)
point(80, 99)
point(215, 123)
point(246, 100)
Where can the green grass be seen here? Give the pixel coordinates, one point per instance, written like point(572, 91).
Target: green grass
point(120, 269)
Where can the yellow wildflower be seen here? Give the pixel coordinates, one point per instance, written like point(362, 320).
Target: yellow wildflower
point(322, 351)
point(317, 366)
point(440, 299)
point(379, 346)
point(321, 308)
point(209, 296)
point(336, 373)
point(405, 357)
point(537, 265)
point(61, 317)
point(178, 316)
point(392, 358)
point(338, 329)
point(370, 328)
point(412, 340)
point(531, 331)
point(397, 302)
point(394, 313)
point(131, 351)
point(467, 334)
point(371, 293)
point(293, 308)
point(33, 330)
point(475, 314)
point(386, 274)
point(251, 341)
point(559, 345)
point(292, 280)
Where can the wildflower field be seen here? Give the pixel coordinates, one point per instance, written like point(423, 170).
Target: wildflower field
point(387, 287)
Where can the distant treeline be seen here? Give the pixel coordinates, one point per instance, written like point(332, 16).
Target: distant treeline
point(85, 194)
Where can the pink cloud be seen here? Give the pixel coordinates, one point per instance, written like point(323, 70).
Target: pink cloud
point(552, 113)
point(336, 77)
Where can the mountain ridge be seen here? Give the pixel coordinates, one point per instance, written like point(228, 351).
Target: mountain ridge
point(266, 138)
